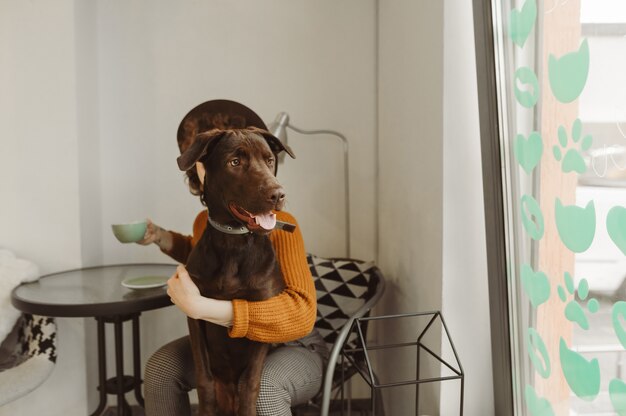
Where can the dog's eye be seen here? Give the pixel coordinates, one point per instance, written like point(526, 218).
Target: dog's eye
point(234, 162)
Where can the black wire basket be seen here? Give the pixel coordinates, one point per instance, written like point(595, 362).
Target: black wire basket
point(361, 355)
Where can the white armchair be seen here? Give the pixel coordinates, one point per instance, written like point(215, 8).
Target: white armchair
point(27, 356)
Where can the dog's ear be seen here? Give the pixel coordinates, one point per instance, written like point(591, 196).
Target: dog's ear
point(275, 144)
point(202, 145)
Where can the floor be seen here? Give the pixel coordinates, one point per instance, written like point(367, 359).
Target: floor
point(358, 410)
point(112, 411)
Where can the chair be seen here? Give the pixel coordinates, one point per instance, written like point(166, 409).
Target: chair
point(27, 356)
point(347, 289)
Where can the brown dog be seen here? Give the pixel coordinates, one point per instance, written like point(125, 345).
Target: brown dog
point(240, 191)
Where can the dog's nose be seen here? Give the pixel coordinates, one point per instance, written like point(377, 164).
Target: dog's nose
point(277, 196)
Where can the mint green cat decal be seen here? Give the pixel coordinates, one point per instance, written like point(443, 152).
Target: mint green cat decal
point(568, 74)
point(576, 225)
point(582, 375)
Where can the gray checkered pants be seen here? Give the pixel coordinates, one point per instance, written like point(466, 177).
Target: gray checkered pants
point(292, 375)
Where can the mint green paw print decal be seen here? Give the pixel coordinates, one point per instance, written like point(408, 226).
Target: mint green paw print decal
point(617, 393)
point(537, 406)
point(528, 94)
point(521, 22)
point(576, 225)
point(568, 74)
point(618, 315)
point(528, 151)
point(535, 284)
point(616, 226)
point(573, 160)
point(538, 353)
point(532, 218)
point(582, 376)
point(574, 312)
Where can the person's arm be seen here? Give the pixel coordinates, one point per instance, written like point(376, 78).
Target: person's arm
point(185, 294)
point(179, 248)
point(289, 315)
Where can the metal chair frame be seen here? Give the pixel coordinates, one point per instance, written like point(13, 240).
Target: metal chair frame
point(342, 337)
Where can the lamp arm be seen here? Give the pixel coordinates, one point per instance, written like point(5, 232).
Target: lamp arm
point(344, 141)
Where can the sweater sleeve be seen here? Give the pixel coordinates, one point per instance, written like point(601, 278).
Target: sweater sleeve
point(290, 314)
point(181, 247)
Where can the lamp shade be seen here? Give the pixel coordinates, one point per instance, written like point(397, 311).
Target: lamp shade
point(279, 126)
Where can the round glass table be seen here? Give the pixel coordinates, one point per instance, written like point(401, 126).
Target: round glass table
point(98, 292)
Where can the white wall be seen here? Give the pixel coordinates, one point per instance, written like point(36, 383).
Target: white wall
point(465, 303)
point(273, 56)
point(411, 185)
point(39, 189)
point(432, 241)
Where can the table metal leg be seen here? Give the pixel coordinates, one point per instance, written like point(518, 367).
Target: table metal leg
point(102, 367)
point(417, 377)
point(122, 406)
point(137, 361)
point(120, 384)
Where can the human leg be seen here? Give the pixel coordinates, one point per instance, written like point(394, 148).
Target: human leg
point(291, 375)
point(168, 378)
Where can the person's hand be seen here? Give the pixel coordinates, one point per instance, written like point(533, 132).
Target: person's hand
point(152, 235)
point(186, 296)
point(157, 235)
point(184, 293)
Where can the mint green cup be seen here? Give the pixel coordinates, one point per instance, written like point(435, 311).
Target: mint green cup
point(130, 232)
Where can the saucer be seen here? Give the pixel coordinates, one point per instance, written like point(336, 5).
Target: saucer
point(145, 282)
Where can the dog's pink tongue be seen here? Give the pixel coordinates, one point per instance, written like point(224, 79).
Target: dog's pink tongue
point(266, 221)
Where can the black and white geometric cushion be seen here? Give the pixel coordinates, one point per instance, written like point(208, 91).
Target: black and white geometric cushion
point(343, 286)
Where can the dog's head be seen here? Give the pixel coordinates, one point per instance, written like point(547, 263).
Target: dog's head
point(240, 176)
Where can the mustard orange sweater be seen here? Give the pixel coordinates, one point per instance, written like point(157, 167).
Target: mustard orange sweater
point(285, 317)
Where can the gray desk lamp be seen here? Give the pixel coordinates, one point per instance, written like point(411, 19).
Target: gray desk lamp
point(279, 129)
